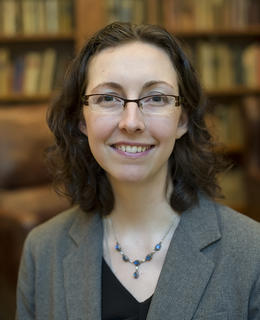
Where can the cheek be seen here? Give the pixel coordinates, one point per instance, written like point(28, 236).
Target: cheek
point(98, 128)
point(165, 130)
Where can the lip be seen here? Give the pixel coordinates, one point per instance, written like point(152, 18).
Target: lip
point(130, 154)
point(126, 143)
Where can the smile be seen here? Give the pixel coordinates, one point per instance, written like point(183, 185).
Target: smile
point(132, 148)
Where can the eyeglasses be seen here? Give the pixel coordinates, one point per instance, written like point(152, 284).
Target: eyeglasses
point(153, 104)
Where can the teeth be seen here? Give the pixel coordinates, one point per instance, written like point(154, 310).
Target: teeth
point(132, 149)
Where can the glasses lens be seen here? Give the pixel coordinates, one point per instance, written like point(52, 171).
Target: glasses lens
point(106, 103)
point(157, 104)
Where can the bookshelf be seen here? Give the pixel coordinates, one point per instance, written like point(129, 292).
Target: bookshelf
point(21, 98)
point(37, 41)
point(84, 17)
point(59, 37)
point(220, 33)
point(234, 23)
point(233, 29)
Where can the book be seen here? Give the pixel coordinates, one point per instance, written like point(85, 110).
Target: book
point(65, 10)
point(32, 69)
point(4, 71)
point(40, 13)
point(223, 66)
point(125, 10)
point(210, 14)
point(253, 12)
point(18, 72)
point(226, 124)
point(62, 62)
point(29, 17)
point(206, 64)
point(250, 60)
point(251, 106)
point(9, 17)
point(47, 71)
point(52, 16)
point(233, 187)
point(138, 12)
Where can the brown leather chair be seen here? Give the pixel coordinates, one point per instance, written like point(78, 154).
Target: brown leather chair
point(26, 195)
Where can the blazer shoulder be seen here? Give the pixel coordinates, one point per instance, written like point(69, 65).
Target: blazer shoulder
point(238, 229)
point(53, 231)
point(235, 220)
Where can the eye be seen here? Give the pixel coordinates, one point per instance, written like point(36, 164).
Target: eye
point(158, 100)
point(105, 98)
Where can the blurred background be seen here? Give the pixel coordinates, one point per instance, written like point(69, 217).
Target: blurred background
point(38, 38)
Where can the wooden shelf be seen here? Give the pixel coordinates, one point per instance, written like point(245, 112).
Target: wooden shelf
point(233, 92)
point(231, 149)
point(253, 31)
point(36, 38)
point(21, 98)
point(241, 209)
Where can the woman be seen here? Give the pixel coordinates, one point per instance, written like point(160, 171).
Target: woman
point(145, 239)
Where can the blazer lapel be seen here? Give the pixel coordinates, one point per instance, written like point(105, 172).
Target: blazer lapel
point(82, 268)
point(187, 269)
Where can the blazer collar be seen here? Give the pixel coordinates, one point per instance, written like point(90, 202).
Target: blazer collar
point(187, 269)
point(183, 278)
point(82, 268)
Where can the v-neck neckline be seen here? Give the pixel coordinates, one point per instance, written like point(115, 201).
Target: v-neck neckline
point(122, 287)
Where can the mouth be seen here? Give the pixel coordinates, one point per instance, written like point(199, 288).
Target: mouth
point(132, 148)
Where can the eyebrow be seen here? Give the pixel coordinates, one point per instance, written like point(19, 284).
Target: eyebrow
point(116, 85)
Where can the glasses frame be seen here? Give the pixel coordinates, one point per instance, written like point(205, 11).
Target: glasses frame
point(178, 99)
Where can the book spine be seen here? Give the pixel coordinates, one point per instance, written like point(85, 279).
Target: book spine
point(32, 73)
point(47, 71)
point(9, 16)
point(4, 71)
point(52, 16)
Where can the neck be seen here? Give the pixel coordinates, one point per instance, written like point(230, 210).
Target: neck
point(142, 207)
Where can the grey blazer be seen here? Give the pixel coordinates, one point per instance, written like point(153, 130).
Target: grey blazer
point(211, 269)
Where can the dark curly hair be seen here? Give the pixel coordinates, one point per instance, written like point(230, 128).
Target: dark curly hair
point(193, 164)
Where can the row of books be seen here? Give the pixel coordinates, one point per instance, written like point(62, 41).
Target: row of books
point(226, 124)
point(221, 65)
point(35, 17)
point(211, 14)
point(126, 10)
point(238, 125)
point(233, 187)
point(33, 73)
point(251, 106)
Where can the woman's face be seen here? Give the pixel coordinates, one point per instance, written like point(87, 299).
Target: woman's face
point(131, 146)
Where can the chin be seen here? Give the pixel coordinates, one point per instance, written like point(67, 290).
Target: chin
point(129, 177)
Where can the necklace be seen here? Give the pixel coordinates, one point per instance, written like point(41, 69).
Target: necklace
point(148, 257)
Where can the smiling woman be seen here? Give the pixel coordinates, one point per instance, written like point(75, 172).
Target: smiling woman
point(152, 122)
point(145, 238)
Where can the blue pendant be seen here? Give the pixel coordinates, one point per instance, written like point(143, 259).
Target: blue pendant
point(117, 247)
point(125, 258)
point(137, 263)
point(158, 247)
point(148, 257)
point(136, 274)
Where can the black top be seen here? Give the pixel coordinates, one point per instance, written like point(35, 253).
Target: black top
point(117, 302)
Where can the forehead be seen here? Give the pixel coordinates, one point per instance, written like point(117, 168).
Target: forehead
point(135, 62)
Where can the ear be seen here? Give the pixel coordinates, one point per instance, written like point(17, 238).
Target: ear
point(83, 127)
point(182, 125)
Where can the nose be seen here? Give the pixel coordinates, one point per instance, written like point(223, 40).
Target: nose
point(132, 119)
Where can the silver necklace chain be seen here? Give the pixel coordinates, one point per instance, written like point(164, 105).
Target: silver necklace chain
point(138, 262)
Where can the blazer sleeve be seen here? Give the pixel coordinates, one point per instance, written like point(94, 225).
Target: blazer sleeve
point(25, 304)
point(254, 302)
